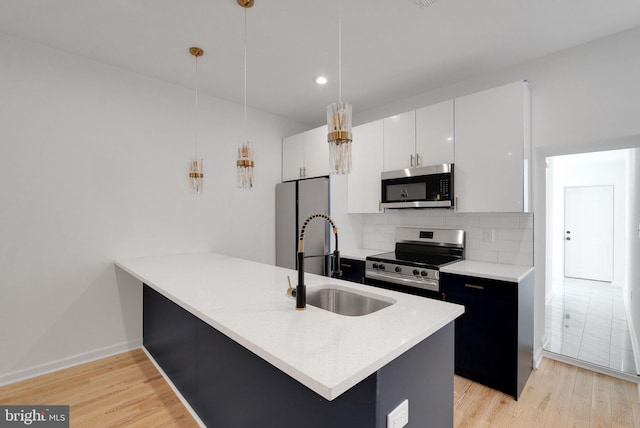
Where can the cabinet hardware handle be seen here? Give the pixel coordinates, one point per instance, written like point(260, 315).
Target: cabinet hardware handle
point(411, 160)
point(456, 203)
point(418, 159)
point(345, 265)
point(477, 287)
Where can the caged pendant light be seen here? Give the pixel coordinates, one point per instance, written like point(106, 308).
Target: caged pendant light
point(244, 164)
point(196, 175)
point(339, 120)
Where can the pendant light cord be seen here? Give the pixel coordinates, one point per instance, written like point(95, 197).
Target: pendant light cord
point(245, 74)
point(340, 51)
point(197, 109)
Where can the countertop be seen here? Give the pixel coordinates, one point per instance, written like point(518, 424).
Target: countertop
point(246, 301)
point(359, 253)
point(497, 271)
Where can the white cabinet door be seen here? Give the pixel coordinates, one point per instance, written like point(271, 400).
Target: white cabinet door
point(292, 157)
point(363, 184)
point(316, 152)
point(492, 150)
point(305, 155)
point(434, 134)
point(399, 141)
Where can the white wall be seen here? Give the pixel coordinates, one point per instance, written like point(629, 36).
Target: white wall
point(583, 99)
point(632, 299)
point(93, 167)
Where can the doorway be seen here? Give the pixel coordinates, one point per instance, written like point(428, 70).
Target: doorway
point(587, 254)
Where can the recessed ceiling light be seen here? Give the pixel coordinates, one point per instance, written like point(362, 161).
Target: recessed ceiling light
point(320, 80)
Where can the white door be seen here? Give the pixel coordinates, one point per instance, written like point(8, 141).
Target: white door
point(588, 233)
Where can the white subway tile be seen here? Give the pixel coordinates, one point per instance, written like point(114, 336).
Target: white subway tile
point(515, 234)
point(376, 219)
point(499, 221)
point(515, 258)
point(473, 233)
point(481, 256)
point(403, 220)
point(526, 247)
point(462, 221)
point(526, 221)
point(430, 221)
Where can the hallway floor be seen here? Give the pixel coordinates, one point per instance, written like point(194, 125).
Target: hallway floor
point(586, 320)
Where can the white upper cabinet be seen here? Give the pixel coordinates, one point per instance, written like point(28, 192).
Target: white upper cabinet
point(292, 157)
point(492, 146)
point(363, 184)
point(305, 155)
point(434, 134)
point(399, 141)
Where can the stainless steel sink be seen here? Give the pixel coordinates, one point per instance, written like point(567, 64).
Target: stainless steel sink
point(344, 302)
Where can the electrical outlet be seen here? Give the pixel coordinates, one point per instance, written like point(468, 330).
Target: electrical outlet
point(489, 235)
point(399, 417)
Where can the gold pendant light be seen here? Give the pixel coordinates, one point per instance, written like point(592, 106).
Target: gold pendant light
point(244, 164)
point(339, 120)
point(196, 174)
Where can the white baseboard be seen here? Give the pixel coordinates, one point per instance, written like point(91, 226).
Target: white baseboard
point(537, 358)
point(634, 341)
point(178, 394)
point(63, 363)
point(593, 367)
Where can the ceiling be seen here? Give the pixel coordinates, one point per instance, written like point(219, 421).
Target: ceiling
point(392, 49)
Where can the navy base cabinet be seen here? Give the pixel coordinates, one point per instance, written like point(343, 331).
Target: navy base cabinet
point(229, 386)
point(352, 270)
point(494, 337)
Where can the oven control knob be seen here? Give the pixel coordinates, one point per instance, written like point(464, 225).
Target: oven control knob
point(381, 267)
point(398, 269)
point(375, 265)
point(424, 273)
point(416, 272)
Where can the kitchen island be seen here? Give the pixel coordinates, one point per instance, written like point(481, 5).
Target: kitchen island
point(224, 332)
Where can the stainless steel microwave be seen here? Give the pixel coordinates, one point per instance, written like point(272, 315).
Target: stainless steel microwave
point(421, 187)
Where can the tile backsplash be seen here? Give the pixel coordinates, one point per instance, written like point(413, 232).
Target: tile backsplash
point(490, 237)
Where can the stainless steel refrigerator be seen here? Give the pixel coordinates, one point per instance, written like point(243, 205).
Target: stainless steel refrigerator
point(295, 202)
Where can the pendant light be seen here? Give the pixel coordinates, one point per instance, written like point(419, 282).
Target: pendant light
point(339, 120)
point(244, 164)
point(196, 175)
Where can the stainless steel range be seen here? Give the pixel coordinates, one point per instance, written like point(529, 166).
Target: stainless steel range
point(414, 266)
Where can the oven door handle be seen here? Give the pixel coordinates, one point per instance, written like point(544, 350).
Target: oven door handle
point(427, 284)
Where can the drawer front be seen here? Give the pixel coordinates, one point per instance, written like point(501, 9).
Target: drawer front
point(458, 285)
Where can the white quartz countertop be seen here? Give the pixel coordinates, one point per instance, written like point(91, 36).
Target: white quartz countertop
point(327, 352)
point(359, 253)
point(497, 271)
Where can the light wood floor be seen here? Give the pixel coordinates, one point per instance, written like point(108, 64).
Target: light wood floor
point(556, 395)
point(127, 390)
